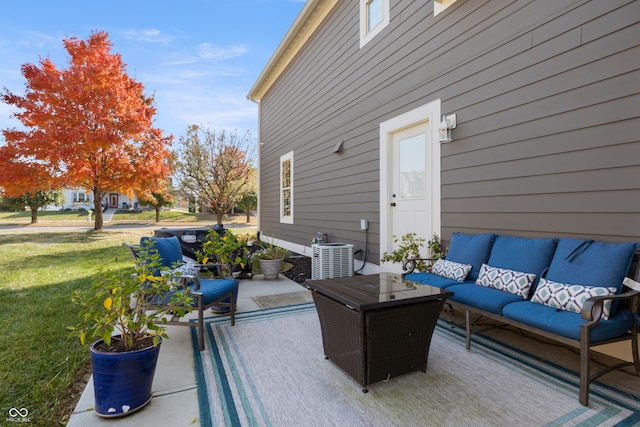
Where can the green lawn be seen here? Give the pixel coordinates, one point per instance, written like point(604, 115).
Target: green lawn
point(38, 274)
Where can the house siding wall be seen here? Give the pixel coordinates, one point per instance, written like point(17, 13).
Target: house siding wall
point(547, 96)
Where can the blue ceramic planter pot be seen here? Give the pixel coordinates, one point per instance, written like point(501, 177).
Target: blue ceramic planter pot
point(122, 381)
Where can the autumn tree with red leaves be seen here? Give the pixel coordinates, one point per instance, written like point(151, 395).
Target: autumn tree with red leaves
point(90, 124)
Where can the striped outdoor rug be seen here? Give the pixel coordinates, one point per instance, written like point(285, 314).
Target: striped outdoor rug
point(270, 370)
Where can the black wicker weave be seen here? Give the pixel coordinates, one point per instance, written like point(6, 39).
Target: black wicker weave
point(372, 345)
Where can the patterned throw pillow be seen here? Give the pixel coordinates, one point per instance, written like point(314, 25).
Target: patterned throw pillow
point(570, 297)
point(188, 268)
point(514, 282)
point(451, 270)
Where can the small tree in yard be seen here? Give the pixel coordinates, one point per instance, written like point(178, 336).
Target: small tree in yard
point(158, 201)
point(27, 181)
point(247, 202)
point(214, 168)
point(40, 199)
point(89, 124)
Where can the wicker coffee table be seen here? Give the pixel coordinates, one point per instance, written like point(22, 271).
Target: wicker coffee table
point(377, 326)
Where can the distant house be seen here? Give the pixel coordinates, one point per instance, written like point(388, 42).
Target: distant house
point(546, 97)
point(80, 199)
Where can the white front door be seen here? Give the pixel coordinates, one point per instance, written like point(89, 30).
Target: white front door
point(410, 191)
point(410, 178)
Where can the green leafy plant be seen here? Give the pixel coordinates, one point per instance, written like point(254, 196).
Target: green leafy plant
point(268, 251)
point(228, 249)
point(124, 302)
point(436, 250)
point(410, 246)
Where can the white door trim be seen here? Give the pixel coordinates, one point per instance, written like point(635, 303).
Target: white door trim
point(431, 113)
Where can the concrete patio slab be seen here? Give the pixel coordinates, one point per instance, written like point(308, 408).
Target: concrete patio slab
point(175, 392)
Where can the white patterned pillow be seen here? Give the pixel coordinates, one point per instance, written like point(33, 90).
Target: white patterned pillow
point(188, 268)
point(451, 270)
point(514, 282)
point(570, 297)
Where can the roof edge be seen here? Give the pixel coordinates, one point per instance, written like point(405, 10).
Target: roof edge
point(307, 22)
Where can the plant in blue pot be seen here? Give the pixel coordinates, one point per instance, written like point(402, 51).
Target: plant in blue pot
point(122, 317)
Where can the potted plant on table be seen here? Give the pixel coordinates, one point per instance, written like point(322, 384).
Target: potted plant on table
point(268, 260)
point(124, 311)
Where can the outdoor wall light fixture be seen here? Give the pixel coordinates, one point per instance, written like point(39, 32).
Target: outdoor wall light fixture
point(448, 122)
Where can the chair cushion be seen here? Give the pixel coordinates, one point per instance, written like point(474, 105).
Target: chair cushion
point(503, 279)
point(567, 323)
point(431, 279)
point(522, 254)
point(168, 249)
point(214, 289)
point(570, 297)
point(451, 270)
point(470, 249)
point(589, 263)
point(488, 299)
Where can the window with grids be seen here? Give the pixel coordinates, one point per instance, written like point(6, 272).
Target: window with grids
point(286, 188)
point(80, 197)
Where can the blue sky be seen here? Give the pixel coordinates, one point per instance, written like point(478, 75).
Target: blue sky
point(199, 58)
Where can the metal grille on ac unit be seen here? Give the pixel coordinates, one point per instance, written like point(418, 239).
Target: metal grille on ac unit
point(331, 260)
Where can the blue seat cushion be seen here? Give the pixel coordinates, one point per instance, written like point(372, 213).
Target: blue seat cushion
point(471, 249)
point(488, 299)
point(522, 254)
point(567, 323)
point(168, 249)
point(431, 279)
point(214, 289)
point(211, 289)
point(589, 263)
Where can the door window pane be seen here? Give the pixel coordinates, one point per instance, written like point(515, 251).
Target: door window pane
point(412, 167)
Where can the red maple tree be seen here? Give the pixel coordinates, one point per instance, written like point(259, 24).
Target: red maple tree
point(90, 123)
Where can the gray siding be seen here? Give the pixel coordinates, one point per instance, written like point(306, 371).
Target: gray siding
point(547, 95)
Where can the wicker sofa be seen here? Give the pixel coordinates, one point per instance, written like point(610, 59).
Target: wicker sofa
point(568, 290)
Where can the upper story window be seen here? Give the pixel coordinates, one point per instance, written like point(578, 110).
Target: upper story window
point(374, 16)
point(286, 188)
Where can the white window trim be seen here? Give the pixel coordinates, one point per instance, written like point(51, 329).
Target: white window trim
point(366, 36)
point(287, 219)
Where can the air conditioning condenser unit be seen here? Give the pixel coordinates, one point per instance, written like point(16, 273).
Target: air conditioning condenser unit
point(331, 260)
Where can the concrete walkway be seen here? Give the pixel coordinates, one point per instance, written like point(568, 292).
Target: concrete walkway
point(108, 214)
point(175, 392)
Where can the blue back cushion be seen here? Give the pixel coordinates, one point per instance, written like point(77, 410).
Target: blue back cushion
point(521, 254)
point(589, 263)
point(471, 249)
point(168, 249)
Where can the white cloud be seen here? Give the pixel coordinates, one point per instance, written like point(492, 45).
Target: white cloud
point(148, 36)
point(216, 53)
